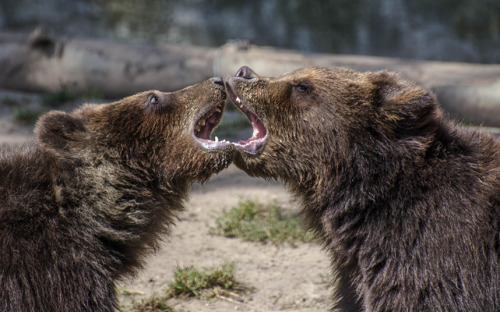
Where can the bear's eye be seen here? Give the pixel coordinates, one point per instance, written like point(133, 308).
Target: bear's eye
point(302, 87)
point(153, 99)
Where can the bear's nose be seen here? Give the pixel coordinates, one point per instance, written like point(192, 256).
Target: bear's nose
point(218, 80)
point(245, 72)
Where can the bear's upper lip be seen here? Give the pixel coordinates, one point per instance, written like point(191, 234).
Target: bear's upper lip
point(208, 119)
point(256, 142)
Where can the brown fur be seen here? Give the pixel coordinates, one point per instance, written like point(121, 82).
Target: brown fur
point(406, 202)
point(84, 205)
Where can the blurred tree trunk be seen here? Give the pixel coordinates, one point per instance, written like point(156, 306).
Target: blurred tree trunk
point(40, 63)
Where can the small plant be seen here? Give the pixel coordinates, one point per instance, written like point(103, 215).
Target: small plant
point(9, 102)
point(64, 94)
point(128, 302)
point(152, 304)
point(25, 115)
point(189, 281)
point(261, 224)
point(468, 123)
point(94, 94)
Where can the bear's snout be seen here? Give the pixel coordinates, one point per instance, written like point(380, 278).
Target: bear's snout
point(245, 72)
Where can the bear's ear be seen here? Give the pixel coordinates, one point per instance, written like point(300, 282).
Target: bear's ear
point(58, 132)
point(408, 105)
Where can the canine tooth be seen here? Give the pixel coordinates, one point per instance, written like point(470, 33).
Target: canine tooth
point(217, 109)
point(238, 100)
point(197, 128)
point(216, 140)
point(201, 122)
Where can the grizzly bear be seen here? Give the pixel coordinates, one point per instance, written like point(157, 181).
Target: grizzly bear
point(406, 201)
point(82, 206)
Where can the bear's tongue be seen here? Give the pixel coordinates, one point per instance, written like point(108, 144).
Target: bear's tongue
point(259, 131)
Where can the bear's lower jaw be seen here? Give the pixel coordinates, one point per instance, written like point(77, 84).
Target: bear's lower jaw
point(251, 145)
point(213, 144)
point(204, 126)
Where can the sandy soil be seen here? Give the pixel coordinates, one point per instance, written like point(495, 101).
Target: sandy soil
point(281, 278)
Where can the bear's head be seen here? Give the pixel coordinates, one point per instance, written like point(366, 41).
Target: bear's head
point(153, 133)
point(314, 122)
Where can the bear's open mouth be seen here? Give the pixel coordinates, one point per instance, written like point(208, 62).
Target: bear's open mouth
point(253, 144)
point(206, 123)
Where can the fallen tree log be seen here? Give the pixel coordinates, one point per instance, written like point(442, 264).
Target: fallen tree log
point(43, 64)
point(40, 63)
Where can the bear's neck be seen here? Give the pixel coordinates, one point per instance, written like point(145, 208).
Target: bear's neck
point(341, 200)
point(385, 197)
point(125, 210)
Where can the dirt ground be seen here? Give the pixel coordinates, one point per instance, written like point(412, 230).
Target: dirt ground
point(281, 278)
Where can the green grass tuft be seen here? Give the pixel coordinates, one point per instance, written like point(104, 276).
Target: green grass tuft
point(9, 102)
point(255, 223)
point(25, 115)
point(152, 304)
point(57, 98)
point(189, 281)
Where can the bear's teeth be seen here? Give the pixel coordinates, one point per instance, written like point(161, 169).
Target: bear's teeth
point(238, 100)
point(201, 122)
point(216, 140)
point(197, 129)
point(218, 110)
